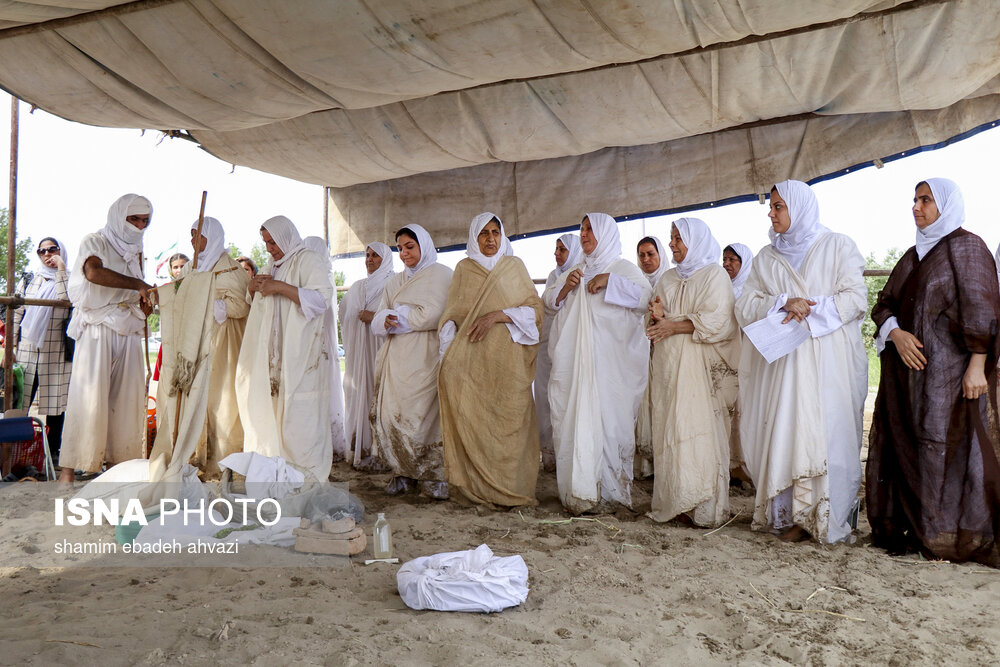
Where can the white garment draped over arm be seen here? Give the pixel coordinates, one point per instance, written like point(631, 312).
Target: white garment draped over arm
point(402, 315)
point(622, 292)
point(312, 303)
point(522, 327)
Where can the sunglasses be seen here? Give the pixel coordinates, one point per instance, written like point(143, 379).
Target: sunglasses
point(51, 250)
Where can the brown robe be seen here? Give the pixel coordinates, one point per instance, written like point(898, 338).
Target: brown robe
point(488, 422)
point(933, 480)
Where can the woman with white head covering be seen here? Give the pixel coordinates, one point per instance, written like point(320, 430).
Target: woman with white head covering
point(106, 406)
point(40, 339)
point(692, 380)
point(405, 419)
point(568, 255)
point(340, 449)
point(933, 479)
point(652, 259)
point(202, 321)
point(360, 349)
point(283, 374)
point(802, 415)
point(737, 260)
point(600, 363)
point(488, 422)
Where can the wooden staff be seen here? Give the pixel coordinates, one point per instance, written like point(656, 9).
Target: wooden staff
point(201, 221)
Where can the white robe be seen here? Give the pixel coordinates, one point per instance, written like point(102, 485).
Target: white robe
point(692, 389)
point(405, 415)
point(361, 347)
point(543, 367)
point(105, 407)
point(801, 416)
point(600, 364)
point(285, 401)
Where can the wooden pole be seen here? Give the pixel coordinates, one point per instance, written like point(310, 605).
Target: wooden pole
point(8, 359)
point(201, 222)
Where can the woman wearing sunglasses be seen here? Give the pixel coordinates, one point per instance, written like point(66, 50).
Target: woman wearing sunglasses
point(40, 340)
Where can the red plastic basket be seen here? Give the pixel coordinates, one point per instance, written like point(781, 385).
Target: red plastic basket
point(29, 452)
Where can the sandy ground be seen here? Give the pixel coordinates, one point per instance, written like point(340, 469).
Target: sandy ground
point(618, 590)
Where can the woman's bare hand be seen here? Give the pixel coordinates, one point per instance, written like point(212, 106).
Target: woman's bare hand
point(572, 282)
point(599, 282)
point(660, 330)
point(908, 347)
point(974, 381)
point(366, 316)
point(798, 309)
point(483, 324)
point(655, 310)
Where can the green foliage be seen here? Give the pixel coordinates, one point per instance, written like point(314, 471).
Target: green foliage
point(875, 285)
point(234, 251)
point(154, 322)
point(258, 253)
point(22, 252)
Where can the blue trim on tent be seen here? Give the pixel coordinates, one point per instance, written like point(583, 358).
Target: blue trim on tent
point(731, 200)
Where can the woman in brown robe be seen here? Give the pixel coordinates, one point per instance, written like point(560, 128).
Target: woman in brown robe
point(488, 422)
point(933, 480)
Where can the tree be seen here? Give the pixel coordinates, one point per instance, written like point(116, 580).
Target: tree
point(22, 251)
point(875, 285)
point(234, 251)
point(259, 255)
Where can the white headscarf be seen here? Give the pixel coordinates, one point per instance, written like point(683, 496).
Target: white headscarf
point(428, 255)
point(36, 318)
point(609, 245)
point(285, 235)
point(375, 283)
point(702, 248)
point(212, 230)
point(472, 247)
point(318, 246)
point(572, 243)
point(125, 237)
point(662, 268)
point(803, 209)
point(951, 209)
point(746, 261)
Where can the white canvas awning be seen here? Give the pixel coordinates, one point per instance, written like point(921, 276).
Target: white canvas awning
point(434, 110)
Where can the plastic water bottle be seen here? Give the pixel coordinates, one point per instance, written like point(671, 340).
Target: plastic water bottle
point(382, 538)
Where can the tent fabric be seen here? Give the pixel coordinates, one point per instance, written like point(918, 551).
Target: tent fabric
point(415, 110)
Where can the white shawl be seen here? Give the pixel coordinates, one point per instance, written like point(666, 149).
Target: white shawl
point(702, 248)
point(472, 247)
point(212, 230)
point(609, 245)
point(655, 275)
point(803, 209)
point(572, 243)
point(125, 237)
point(36, 318)
point(951, 207)
point(746, 261)
point(428, 255)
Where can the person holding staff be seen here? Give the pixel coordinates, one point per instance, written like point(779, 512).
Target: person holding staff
point(105, 408)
